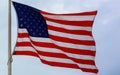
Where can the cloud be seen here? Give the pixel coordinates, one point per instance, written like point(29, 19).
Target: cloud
point(106, 32)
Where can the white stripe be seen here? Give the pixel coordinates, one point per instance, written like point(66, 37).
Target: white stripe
point(23, 39)
point(61, 34)
point(53, 59)
point(40, 39)
point(22, 30)
point(26, 48)
point(71, 18)
point(69, 27)
point(53, 50)
point(71, 36)
point(63, 60)
point(26, 39)
point(63, 44)
point(75, 46)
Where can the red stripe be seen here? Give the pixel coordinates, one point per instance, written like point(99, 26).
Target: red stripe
point(75, 23)
point(52, 45)
point(67, 65)
point(69, 50)
point(78, 32)
point(23, 35)
point(71, 14)
point(27, 52)
point(63, 39)
point(73, 41)
point(23, 44)
point(60, 55)
point(89, 70)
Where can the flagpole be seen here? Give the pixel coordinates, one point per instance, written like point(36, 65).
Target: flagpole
point(9, 39)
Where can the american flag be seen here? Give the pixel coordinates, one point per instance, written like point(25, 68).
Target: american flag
point(62, 40)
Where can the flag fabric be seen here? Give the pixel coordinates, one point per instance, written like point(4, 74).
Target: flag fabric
point(62, 40)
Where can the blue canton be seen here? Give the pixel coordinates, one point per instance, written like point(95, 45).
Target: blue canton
point(31, 19)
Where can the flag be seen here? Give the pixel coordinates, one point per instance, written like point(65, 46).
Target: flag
point(61, 40)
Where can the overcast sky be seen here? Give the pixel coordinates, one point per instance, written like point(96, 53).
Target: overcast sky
point(106, 32)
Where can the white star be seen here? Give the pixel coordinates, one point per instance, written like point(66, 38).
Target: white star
point(39, 34)
point(21, 25)
point(31, 23)
point(28, 26)
point(31, 30)
point(21, 19)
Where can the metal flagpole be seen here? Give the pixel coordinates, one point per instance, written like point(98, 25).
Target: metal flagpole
point(9, 39)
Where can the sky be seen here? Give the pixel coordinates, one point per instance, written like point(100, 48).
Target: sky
point(106, 32)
